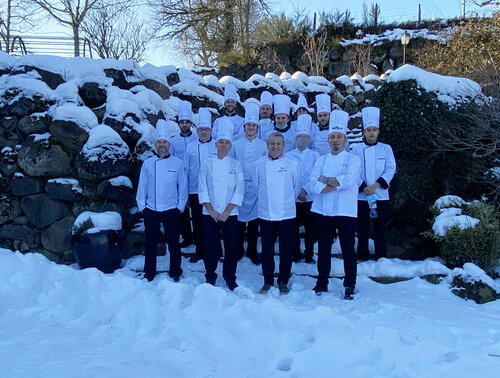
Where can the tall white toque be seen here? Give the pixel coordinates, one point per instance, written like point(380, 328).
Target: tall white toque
point(302, 102)
point(184, 111)
point(226, 129)
point(204, 118)
point(338, 122)
point(252, 113)
point(304, 124)
point(230, 93)
point(266, 98)
point(371, 117)
point(323, 103)
point(162, 130)
point(281, 104)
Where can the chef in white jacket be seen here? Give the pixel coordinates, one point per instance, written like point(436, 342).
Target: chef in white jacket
point(283, 122)
point(306, 158)
point(320, 134)
point(221, 187)
point(378, 167)
point(334, 180)
point(277, 179)
point(247, 151)
point(197, 152)
point(178, 147)
point(161, 197)
point(265, 115)
point(303, 108)
point(231, 99)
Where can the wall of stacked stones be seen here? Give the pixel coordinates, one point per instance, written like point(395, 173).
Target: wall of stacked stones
point(74, 133)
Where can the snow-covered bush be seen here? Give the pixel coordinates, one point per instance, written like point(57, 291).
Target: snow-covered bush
point(466, 232)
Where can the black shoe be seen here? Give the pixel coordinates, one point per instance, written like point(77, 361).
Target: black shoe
point(186, 243)
point(255, 259)
point(232, 285)
point(320, 288)
point(194, 259)
point(283, 288)
point(349, 293)
point(265, 289)
point(310, 260)
point(211, 282)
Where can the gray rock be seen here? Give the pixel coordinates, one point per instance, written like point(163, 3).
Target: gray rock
point(99, 113)
point(478, 291)
point(4, 184)
point(153, 118)
point(337, 98)
point(63, 190)
point(134, 244)
point(350, 105)
point(157, 87)
point(9, 138)
point(8, 123)
point(57, 237)
point(396, 51)
point(92, 94)
point(108, 190)
point(69, 133)
point(8, 162)
point(21, 220)
point(123, 79)
point(387, 65)
point(10, 208)
point(96, 207)
point(42, 211)
point(336, 53)
point(27, 237)
point(22, 186)
point(379, 58)
point(24, 106)
point(33, 124)
point(126, 132)
point(360, 97)
point(173, 78)
point(44, 157)
point(53, 80)
point(106, 165)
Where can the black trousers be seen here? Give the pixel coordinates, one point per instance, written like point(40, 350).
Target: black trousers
point(229, 230)
point(187, 234)
point(345, 228)
point(170, 220)
point(197, 215)
point(252, 228)
point(308, 219)
point(378, 229)
point(285, 230)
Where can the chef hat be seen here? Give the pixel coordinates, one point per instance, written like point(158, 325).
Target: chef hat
point(252, 113)
point(281, 104)
point(323, 103)
point(226, 129)
point(338, 122)
point(230, 92)
point(266, 98)
point(371, 117)
point(184, 111)
point(302, 102)
point(162, 130)
point(204, 118)
point(304, 124)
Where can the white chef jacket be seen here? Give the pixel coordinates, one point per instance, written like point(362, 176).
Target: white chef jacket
point(221, 183)
point(266, 127)
point(237, 121)
point(196, 153)
point(377, 164)
point(162, 184)
point(278, 184)
point(343, 201)
point(247, 152)
point(179, 143)
point(319, 141)
point(306, 158)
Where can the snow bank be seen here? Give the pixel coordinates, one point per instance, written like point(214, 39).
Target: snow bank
point(449, 201)
point(81, 115)
point(104, 142)
point(449, 89)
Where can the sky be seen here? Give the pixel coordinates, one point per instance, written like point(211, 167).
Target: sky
point(391, 11)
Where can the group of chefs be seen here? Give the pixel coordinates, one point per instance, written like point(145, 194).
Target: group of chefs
point(266, 175)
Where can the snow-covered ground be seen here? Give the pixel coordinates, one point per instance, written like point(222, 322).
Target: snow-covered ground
point(60, 321)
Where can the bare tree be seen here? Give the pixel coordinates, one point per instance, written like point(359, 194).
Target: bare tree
point(69, 13)
point(360, 55)
point(485, 3)
point(15, 17)
point(371, 16)
point(116, 31)
point(314, 50)
point(335, 17)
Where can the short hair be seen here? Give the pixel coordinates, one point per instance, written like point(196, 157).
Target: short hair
point(275, 134)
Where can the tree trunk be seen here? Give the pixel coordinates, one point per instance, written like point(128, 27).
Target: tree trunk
point(76, 39)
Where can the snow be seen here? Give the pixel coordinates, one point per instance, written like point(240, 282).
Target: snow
point(121, 181)
point(58, 320)
point(462, 221)
point(41, 137)
point(108, 220)
point(449, 201)
point(395, 34)
point(75, 185)
point(449, 89)
point(24, 85)
point(81, 115)
point(104, 143)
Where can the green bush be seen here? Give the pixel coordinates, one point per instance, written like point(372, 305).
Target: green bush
point(479, 245)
